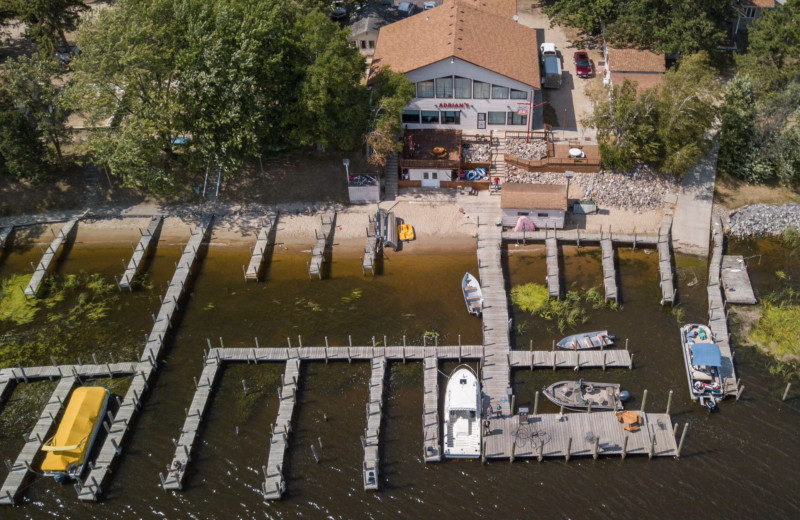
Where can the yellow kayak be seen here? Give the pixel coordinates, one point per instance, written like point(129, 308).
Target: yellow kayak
point(67, 450)
point(405, 232)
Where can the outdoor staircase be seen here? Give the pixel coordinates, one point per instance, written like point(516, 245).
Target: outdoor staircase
point(91, 179)
point(498, 147)
point(391, 178)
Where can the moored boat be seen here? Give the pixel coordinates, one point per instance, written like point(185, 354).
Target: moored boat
point(580, 395)
point(587, 340)
point(473, 295)
point(703, 360)
point(462, 414)
point(68, 450)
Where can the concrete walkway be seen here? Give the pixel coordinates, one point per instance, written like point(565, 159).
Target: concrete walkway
point(691, 229)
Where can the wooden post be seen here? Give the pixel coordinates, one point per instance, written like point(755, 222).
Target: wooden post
point(669, 402)
point(644, 400)
point(536, 403)
point(630, 364)
point(604, 361)
point(739, 393)
point(483, 451)
point(513, 448)
point(596, 447)
point(625, 448)
point(652, 447)
point(569, 449)
point(513, 399)
point(786, 392)
point(683, 437)
point(541, 450)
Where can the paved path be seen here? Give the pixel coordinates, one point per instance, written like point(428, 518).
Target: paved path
point(691, 229)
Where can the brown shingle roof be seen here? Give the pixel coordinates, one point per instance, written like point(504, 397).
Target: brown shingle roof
point(533, 196)
point(765, 4)
point(502, 8)
point(456, 30)
point(635, 60)
point(643, 81)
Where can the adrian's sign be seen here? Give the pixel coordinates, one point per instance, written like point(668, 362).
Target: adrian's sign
point(453, 105)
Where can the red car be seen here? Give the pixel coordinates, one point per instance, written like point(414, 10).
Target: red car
point(583, 65)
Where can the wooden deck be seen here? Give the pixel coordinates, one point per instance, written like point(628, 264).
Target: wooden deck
point(553, 280)
point(50, 254)
point(609, 272)
point(5, 232)
point(717, 316)
point(129, 406)
point(372, 434)
point(579, 236)
point(432, 448)
point(275, 484)
point(189, 432)
point(736, 282)
point(372, 247)
point(667, 282)
point(145, 247)
point(33, 445)
point(265, 238)
point(318, 252)
point(52, 372)
point(579, 435)
point(574, 359)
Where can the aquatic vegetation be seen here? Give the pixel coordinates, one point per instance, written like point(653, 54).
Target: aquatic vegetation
point(568, 312)
point(777, 331)
point(791, 237)
point(431, 335)
point(209, 306)
point(354, 295)
point(531, 297)
point(680, 315)
point(14, 306)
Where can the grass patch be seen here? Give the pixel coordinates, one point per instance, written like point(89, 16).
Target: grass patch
point(14, 306)
point(568, 312)
point(777, 331)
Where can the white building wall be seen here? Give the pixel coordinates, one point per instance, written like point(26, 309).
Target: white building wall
point(541, 218)
point(469, 108)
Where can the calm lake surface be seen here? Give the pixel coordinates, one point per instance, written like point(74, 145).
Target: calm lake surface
point(739, 462)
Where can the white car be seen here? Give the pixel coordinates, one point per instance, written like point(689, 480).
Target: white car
point(428, 5)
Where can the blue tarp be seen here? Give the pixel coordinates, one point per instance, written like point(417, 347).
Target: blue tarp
point(706, 354)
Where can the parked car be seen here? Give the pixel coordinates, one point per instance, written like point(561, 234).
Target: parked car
point(338, 10)
point(428, 5)
point(583, 65)
point(406, 8)
point(551, 66)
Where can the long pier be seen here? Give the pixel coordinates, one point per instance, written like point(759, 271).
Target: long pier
point(262, 242)
point(430, 408)
point(183, 447)
point(130, 405)
point(577, 236)
point(371, 249)
point(667, 282)
point(144, 248)
point(372, 434)
point(553, 285)
point(275, 484)
point(609, 273)
point(33, 445)
point(717, 316)
point(50, 254)
point(318, 252)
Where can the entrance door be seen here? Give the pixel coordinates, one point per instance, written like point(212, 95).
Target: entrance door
point(430, 179)
point(481, 121)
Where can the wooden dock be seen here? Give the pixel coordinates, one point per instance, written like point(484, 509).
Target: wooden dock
point(432, 448)
point(130, 405)
point(372, 434)
point(667, 282)
point(275, 483)
point(573, 359)
point(183, 447)
point(578, 236)
point(717, 316)
point(609, 272)
point(265, 239)
point(579, 435)
point(33, 445)
point(372, 247)
point(736, 282)
point(553, 285)
point(143, 249)
point(50, 254)
point(318, 252)
point(15, 375)
point(5, 232)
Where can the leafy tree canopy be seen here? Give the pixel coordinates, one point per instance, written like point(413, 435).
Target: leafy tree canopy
point(391, 91)
point(46, 21)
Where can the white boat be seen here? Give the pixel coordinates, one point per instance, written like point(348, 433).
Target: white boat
point(587, 340)
point(462, 414)
point(473, 295)
point(703, 361)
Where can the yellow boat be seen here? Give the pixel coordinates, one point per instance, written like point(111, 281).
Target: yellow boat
point(405, 232)
point(68, 449)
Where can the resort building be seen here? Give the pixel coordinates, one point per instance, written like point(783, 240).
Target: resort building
point(474, 67)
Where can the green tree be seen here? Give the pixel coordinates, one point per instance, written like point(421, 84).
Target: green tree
point(31, 84)
point(21, 150)
point(587, 16)
point(391, 91)
point(738, 130)
point(46, 21)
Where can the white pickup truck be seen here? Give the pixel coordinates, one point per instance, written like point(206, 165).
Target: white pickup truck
point(551, 65)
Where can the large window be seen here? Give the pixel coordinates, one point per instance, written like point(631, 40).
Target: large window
point(499, 92)
point(518, 94)
point(480, 90)
point(516, 119)
point(497, 118)
point(451, 118)
point(425, 89)
point(430, 116)
point(411, 116)
point(444, 87)
point(463, 88)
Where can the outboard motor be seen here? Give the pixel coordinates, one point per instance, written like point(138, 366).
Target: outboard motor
point(624, 395)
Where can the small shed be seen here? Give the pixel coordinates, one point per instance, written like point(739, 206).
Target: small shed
point(544, 204)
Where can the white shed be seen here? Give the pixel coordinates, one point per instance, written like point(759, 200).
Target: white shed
point(544, 204)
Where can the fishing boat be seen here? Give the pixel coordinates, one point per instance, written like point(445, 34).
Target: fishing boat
point(68, 450)
point(703, 360)
point(587, 340)
point(462, 414)
point(473, 295)
point(580, 395)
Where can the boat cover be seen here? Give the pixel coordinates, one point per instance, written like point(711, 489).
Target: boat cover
point(68, 446)
point(463, 396)
point(524, 224)
point(706, 354)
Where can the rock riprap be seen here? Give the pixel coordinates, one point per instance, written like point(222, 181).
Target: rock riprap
point(759, 220)
point(534, 150)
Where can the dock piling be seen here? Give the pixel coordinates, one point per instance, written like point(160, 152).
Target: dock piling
point(596, 447)
point(669, 402)
point(644, 400)
point(683, 437)
point(536, 403)
point(625, 447)
point(786, 392)
point(569, 449)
